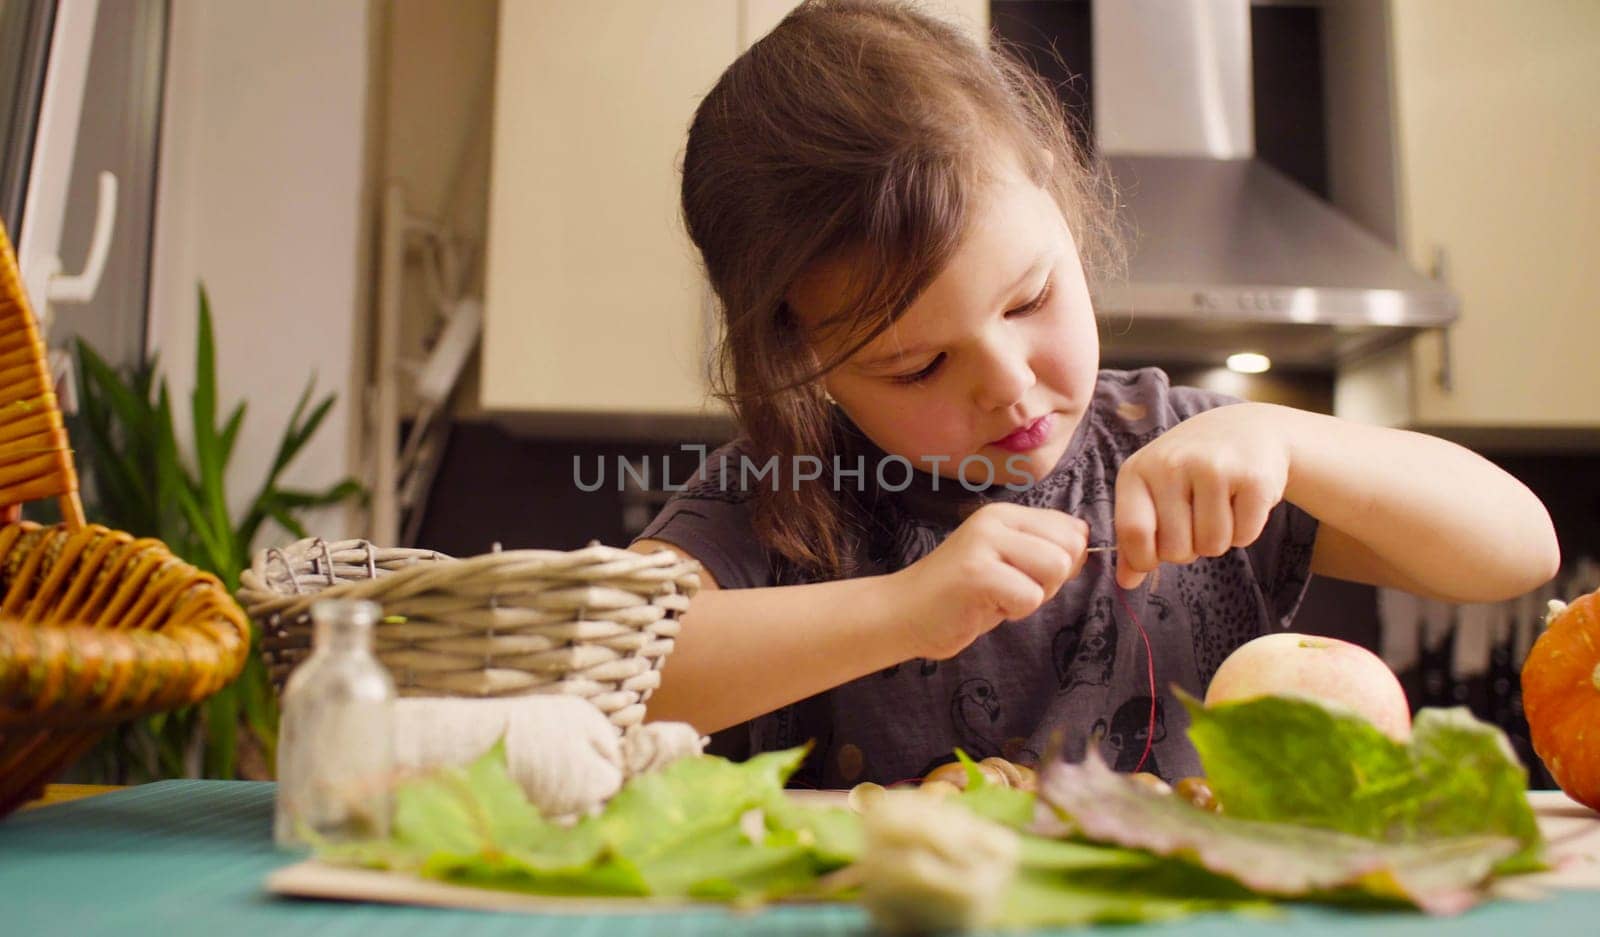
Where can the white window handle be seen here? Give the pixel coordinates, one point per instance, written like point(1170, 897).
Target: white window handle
point(81, 288)
point(74, 289)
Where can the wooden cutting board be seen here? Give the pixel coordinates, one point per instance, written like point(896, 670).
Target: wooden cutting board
point(313, 879)
point(1572, 831)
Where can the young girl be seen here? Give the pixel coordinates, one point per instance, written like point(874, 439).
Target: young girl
point(942, 525)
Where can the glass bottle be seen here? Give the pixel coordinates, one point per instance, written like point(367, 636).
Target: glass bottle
point(335, 737)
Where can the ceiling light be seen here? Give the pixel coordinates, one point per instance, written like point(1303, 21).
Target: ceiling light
point(1249, 362)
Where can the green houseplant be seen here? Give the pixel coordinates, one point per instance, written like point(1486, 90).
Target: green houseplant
point(140, 481)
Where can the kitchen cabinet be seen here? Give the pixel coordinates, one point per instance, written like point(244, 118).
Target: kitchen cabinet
point(594, 300)
point(1496, 153)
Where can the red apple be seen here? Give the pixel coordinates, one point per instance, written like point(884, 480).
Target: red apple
point(1326, 670)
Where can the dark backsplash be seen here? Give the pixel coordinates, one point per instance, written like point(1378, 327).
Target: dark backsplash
point(524, 491)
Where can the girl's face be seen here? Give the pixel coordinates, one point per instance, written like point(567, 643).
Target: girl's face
point(995, 360)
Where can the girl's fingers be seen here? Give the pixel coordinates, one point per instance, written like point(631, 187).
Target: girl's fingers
point(1251, 506)
point(1016, 593)
point(1043, 561)
point(1213, 516)
point(1064, 530)
point(1134, 518)
point(1174, 522)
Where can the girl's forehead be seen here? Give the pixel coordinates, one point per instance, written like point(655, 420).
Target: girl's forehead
point(1013, 227)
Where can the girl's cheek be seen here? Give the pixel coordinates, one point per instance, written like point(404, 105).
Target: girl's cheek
point(1067, 362)
point(923, 423)
point(1082, 351)
point(941, 427)
point(944, 427)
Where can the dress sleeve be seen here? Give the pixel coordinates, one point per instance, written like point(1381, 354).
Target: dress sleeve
point(710, 519)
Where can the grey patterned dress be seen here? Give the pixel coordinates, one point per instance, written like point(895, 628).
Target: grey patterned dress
point(1072, 674)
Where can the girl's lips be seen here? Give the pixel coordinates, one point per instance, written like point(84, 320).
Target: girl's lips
point(1028, 437)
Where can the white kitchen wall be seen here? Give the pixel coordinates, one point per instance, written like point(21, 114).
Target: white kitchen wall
point(262, 194)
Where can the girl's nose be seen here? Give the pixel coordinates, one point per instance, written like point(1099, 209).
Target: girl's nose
point(1005, 376)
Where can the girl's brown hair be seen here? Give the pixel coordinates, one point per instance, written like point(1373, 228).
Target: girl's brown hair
point(858, 129)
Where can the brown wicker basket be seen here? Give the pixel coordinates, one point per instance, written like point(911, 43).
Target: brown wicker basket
point(596, 622)
point(95, 626)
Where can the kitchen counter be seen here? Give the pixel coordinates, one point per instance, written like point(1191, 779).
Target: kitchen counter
point(176, 858)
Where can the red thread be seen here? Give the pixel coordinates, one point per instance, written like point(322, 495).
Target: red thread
point(1150, 664)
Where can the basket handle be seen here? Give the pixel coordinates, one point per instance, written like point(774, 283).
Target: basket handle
point(35, 457)
point(70, 672)
point(96, 623)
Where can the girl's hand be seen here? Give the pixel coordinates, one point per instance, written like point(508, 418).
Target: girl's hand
point(1199, 489)
point(1003, 562)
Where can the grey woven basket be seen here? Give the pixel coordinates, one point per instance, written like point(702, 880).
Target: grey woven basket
point(596, 622)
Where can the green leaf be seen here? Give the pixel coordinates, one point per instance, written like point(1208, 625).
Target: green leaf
point(296, 435)
point(172, 483)
point(655, 811)
point(209, 445)
point(1440, 875)
point(114, 422)
point(512, 870)
point(676, 832)
point(833, 834)
point(1467, 762)
point(722, 864)
point(1064, 855)
point(289, 523)
point(216, 550)
point(288, 444)
point(222, 731)
point(203, 398)
point(297, 499)
point(259, 701)
point(173, 744)
point(464, 810)
point(124, 404)
point(1292, 761)
point(230, 434)
point(299, 431)
point(1121, 891)
point(1004, 805)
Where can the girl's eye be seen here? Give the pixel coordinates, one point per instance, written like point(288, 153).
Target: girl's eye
point(922, 375)
point(1036, 303)
point(1031, 306)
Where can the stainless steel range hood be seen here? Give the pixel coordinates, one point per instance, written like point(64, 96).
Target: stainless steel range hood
point(1227, 253)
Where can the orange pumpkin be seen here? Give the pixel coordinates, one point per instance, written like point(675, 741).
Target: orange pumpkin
point(1561, 698)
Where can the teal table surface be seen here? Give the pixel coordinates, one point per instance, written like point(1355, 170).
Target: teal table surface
point(189, 857)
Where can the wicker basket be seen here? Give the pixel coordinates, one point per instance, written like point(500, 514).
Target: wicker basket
point(596, 622)
point(95, 626)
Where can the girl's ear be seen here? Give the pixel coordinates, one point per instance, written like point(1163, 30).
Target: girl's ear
point(1049, 159)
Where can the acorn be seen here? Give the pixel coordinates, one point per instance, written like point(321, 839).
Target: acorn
point(1150, 782)
point(996, 771)
point(1018, 777)
point(1196, 791)
point(864, 795)
point(940, 789)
